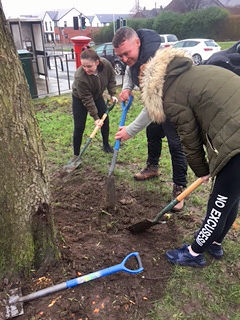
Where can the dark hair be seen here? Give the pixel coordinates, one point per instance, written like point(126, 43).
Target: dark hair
point(123, 34)
point(85, 48)
point(89, 54)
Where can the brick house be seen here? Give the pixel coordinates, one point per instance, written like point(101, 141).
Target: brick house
point(58, 24)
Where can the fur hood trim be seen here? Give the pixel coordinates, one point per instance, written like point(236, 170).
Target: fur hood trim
point(152, 81)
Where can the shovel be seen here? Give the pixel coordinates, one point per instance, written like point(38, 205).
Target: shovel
point(70, 167)
point(14, 305)
point(146, 224)
point(110, 184)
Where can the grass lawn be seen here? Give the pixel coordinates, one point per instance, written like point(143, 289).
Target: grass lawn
point(207, 294)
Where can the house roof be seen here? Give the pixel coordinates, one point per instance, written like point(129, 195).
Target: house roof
point(177, 5)
point(90, 18)
point(108, 18)
point(58, 14)
point(148, 13)
point(230, 3)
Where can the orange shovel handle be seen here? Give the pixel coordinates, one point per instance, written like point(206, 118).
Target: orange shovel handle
point(187, 191)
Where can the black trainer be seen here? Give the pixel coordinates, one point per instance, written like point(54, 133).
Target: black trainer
point(182, 257)
point(215, 250)
point(107, 148)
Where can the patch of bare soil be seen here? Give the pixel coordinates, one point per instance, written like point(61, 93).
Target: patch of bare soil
point(93, 238)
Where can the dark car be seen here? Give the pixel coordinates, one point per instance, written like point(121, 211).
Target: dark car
point(228, 58)
point(106, 50)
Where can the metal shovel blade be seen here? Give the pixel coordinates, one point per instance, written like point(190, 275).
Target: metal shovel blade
point(114, 159)
point(75, 163)
point(12, 306)
point(141, 226)
point(146, 224)
point(71, 166)
point(111, 198)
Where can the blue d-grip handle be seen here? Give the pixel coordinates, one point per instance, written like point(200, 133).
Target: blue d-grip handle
point(107, 271)
point(125, 109)
point(79, 280)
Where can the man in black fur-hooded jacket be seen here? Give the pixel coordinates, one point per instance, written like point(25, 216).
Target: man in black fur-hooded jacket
point(135, 48)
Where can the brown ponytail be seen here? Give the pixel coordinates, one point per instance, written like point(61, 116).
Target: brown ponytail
point(90, 54)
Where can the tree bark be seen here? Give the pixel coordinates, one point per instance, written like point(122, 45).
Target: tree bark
point(27, 234)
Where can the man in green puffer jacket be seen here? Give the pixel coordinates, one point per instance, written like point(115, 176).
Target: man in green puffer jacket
point(203, 102)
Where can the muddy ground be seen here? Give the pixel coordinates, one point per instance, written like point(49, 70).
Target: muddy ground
point(92, 238)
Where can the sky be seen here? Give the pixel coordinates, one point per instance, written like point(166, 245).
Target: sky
point(15, 8)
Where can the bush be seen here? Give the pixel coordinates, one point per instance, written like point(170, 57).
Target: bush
point(204, 23)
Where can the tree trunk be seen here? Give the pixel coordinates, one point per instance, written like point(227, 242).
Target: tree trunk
point(26, 226)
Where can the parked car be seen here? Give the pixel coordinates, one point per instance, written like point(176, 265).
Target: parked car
point(167, 40)
point(106, 50)
point(200, 49)
point(228, 58)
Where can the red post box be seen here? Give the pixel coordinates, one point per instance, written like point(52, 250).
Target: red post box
point(78, 43)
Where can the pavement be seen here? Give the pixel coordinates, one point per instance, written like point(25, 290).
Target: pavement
point(52, 86)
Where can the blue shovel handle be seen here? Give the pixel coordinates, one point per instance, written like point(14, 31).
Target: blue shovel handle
point(75, 282)
point(125, 109)
point(107, 271)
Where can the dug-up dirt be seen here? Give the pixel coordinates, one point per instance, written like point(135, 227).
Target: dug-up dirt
point(92, 238)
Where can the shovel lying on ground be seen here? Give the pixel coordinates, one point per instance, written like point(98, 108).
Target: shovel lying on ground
point(70, 167)
point(14, 305)
point(110, 183)
point(146, 224)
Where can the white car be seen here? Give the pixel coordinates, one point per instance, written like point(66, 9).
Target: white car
point(200, 49)
point(167, 40)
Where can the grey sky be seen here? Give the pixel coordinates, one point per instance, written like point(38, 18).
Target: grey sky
point(25, 7)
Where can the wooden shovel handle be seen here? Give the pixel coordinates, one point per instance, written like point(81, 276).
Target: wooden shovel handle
point(97, 127)
point(187, 191)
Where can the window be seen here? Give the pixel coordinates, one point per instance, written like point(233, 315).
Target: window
point(190, 44)
point(172, 38)
point(46, 26)
point(65, 24)
point(109, 49)
point(100, 49)
point(179, 44)
point(51, 29)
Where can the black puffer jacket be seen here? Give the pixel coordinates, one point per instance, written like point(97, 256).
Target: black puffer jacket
point(150, 43)
point(203, 102)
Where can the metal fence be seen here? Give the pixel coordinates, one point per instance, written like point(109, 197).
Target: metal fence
point(51, 74)
point(59, 74)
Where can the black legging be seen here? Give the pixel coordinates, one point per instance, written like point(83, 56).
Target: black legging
point(80, 116)
point(222, 206)
point(155, 133)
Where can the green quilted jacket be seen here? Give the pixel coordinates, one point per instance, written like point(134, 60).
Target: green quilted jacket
point(202, 101)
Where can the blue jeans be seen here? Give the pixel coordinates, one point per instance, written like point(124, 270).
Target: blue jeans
point(155, 133)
